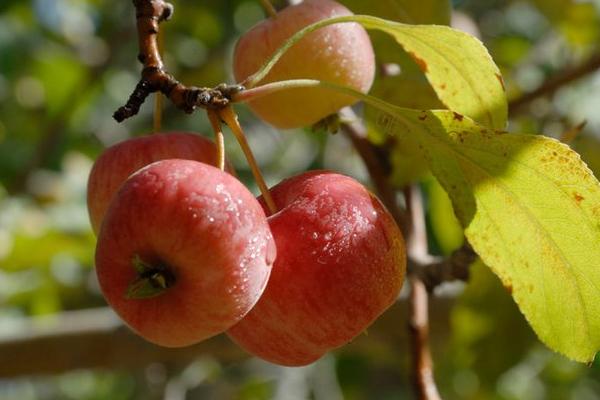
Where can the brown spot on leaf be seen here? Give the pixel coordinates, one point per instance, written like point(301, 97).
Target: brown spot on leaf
point(423, 117)
point(578, 198)
point(501, 81)
point(509, 288)
point(457, 116)
point(443, 86)
point(420, 62)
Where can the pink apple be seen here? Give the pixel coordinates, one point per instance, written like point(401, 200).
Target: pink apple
point(184, 252)
point(123, 159)
point(340, 53)
point(340, 264)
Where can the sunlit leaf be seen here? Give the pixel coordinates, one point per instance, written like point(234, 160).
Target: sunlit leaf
point(457, 66)
point(531, 210)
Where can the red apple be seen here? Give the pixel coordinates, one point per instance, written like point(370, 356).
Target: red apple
point(184, 252)
point(340, 264)
point(113, 167)
point(340, 53)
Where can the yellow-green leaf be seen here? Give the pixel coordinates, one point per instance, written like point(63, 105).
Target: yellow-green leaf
point(530, 208)
point(457, 65)
point(445, 227)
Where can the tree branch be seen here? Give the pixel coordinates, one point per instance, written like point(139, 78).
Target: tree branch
point(149, 14)
point(423, 378)
point(440, 270)
point(555, 82)
point(96, 338)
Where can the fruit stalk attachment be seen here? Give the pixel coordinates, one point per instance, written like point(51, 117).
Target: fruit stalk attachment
point(269, 9)
point(231, 119)
point(215, 122)
point(158, 105)
point(158, 97)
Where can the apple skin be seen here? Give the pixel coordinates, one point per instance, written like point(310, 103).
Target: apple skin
point(340, 264)
point(207, 229)
point(118, 162)
point(340, 53)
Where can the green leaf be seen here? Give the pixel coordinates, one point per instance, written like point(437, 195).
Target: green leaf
point(446, 228)
point(531, 210)
point(458, 66)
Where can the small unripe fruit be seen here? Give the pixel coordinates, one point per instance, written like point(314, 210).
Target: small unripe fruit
point(340, 53)
point(184, 252)
point(340, 264)
point(118, 162)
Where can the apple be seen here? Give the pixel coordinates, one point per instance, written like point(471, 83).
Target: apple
point(340, 53)
point(184, 252)
point(118, 162)
point(340, 264)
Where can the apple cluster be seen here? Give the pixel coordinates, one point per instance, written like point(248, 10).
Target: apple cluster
point(185, 251)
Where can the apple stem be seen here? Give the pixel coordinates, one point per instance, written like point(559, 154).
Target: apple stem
point(158, 97)
point(269, 9)
point(158, 102)
point(152, 280)
point(215, 121)
point(231, 119)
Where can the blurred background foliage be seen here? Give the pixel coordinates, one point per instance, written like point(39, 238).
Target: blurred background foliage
point(66, 65)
